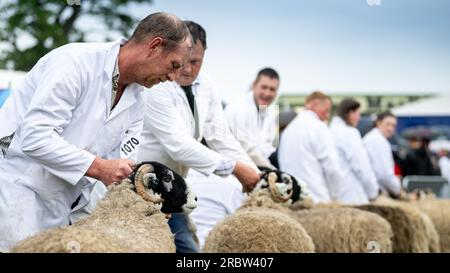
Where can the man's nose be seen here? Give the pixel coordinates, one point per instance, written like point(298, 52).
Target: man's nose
point(187, 68)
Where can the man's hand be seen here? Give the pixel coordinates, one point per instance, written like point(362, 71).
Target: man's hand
point(246, 175)
point(110, 171)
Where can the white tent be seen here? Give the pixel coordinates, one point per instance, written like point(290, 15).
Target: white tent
point(438, 105)
point(9, 78)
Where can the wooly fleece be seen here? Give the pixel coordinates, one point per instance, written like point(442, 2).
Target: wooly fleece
point(412, 229)
point(346, 230)
point(121, 222)
point(260, 225)
point(438, 210)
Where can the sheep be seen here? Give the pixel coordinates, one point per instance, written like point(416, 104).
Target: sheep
point(127, 219)
point(261, 224)
point(337, 228)
point(438, 210)
point(345, 230)
point(413, 230)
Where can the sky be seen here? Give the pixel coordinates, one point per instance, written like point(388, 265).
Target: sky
point(337, 46)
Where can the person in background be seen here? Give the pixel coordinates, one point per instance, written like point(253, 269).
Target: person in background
point(444, 163)
point(353, 157)
point(380, 153)
point(253, 118)
point(419, 160)
point(307, 151)
point(178, 115)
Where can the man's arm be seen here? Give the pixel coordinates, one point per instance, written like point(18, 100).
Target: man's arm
point(238, 124)
point(164, 121)
point(219, 137)
point(50, 111)
point(218, 134)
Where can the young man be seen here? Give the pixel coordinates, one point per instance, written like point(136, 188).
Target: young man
point(178, 115)
point(65, 124)
point(307, 150)
point(253, 119)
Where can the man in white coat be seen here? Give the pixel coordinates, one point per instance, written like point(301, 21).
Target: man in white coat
point(380, 153)
point(178, 115)
point(353, 158)
point(253, 118)
point(444, 164)
point(69, 119)
point(308, 152)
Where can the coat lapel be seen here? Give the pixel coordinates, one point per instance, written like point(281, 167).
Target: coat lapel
point(127, 100)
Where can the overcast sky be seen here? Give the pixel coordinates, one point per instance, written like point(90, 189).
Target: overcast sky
point(332, 45)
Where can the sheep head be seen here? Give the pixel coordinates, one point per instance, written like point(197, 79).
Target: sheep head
point(282, 186)
point(157, 183)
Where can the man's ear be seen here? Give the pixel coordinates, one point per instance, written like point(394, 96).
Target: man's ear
point(154, 43)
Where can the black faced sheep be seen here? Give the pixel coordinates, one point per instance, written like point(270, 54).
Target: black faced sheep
point(123, 221)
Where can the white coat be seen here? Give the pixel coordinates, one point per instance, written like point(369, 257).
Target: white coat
point(382, 160)
point(444, 165)
point(61, 118)
point(354, 163)
point(217, 197)
point(256, 130)
point(171, 135)
point(307, 151)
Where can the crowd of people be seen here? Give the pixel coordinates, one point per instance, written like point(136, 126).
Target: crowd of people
point(81, 120)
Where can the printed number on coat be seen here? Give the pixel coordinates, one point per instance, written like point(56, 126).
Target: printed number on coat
point(129, 146)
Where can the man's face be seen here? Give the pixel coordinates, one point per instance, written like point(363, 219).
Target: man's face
point(322, 108)
point(387, 126)
point(160, 64)
point(189, 72)
point(265, 90)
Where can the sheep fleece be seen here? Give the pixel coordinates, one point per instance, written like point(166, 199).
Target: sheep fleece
point(121, 222)
point(438, 211)
point(346, 230)
point(255, 230)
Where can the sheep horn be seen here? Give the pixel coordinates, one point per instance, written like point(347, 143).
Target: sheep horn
point(272, 178)
point(139, 183)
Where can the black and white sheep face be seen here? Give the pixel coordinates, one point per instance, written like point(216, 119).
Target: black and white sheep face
point(171, 188)
point(285, 184)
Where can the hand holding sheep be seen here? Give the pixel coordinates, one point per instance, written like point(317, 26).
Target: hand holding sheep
point(246, 175)
point(110, 171)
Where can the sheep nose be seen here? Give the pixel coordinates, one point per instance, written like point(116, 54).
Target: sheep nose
point(195, 199)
